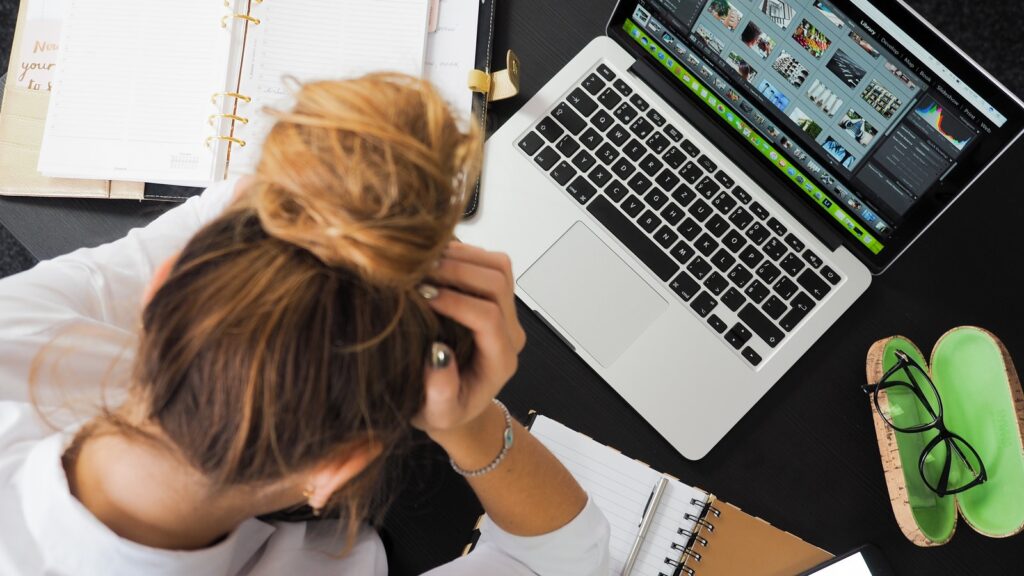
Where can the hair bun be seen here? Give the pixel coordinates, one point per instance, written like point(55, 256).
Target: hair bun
point(370, 174)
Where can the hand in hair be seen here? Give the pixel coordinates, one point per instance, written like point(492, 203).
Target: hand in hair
point(476, 290)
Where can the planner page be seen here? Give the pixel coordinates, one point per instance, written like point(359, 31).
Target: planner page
point(306, 40)
point(132, 96)
point(621, 488)
point(451, 52)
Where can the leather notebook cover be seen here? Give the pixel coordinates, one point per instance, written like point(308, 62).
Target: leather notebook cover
point(484, 57)
point(744, 544)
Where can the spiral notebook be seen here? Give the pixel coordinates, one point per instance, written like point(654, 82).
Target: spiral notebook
point(691, 531)
point(172, 93)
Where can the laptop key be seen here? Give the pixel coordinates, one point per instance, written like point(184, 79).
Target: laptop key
point(795, 243)
point(649, 221)
point(547, 158)
point(740, 218)
point(792, 264)
point(785, 288)
point(623, 88)
point(666, 237)
point(703, 304)
point(672, 213)
point(569, 118)
point(642, 128)
point(775, 249)
point(623, 169)
point(831, 275)
point(774, 307)
point(602, 121)
point(812, 259)
point(691, 173)
point(708, 187)
point(706, 245)
point(609, 99)
point(600, 176)
point(758, 233)
point(639, 102)
point(759, 211)
point(724, 202)
point(716, 283)
point(625, 113)
point(768, 272)
point(651, 165)
point(734, 241)
point(751, 257)
point(580, 101)
point(633, 238)
point(724, 179)
point(618, 135)
point(690, 229)
point(608, 154)
point(550, 129)
point(699, 268)
point(675, 158)
point(813, 283)
point(799, 308)
point(685, 286)
point(584, 161)
point(563, 173)
point(593, 84)
point(761, 325)
point(567, 146)
point(684, 195)
point(616, 191)
point(635, 150)
point(581, 190)
point(700, 210)
point(682, 252)
point(633, 206)
point(656, 198)
point(741, 195)
point(717, 226)
point(723, 260)
point(606, 72)
point(757, 291)
point(673, 133)
point(707, 164)
point(658, 143)
point(667, 179)
point(753, 357)
point(733, 299)
point(717, 324)
point(639, 183)
point(776, 226)
point(531, 143)
point(591, 139)
point(740, 276)
point(738, 336)
point(655, 117)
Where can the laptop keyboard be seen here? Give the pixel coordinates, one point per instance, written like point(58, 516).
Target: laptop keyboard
point(736, 265)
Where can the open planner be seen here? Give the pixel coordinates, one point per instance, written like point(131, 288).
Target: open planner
point(172, 93)
point(691, 532)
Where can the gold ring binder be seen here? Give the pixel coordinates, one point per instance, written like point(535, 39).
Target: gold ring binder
point(234, 117)
point(231, 139)
point(234, 95)
point(227, 3)
point(246, 17)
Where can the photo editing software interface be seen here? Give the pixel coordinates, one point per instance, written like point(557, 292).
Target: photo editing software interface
point(857, 115)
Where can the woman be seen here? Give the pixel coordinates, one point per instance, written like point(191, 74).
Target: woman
point(292, 334)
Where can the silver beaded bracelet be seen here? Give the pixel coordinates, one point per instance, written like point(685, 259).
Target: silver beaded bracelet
point(508, 440)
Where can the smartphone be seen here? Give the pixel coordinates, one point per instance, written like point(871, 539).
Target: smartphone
point(864, 561)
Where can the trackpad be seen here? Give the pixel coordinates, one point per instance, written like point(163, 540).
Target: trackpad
point(593, 294)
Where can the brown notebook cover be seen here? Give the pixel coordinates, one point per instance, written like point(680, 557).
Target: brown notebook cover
point(740, 543)
point(22, 120)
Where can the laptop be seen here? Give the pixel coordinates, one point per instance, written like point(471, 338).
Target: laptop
point(702, 192)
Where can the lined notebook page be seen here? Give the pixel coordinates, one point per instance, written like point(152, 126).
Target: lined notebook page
point(621, 486)
point(132, 95)
point(451, 52)
point(322, 40)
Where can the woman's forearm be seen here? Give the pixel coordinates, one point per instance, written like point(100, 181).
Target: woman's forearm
point(530, 492)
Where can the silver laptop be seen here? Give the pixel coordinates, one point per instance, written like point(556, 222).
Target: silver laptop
point(698, 195)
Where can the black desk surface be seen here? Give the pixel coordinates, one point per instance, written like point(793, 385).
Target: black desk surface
point(804, 458)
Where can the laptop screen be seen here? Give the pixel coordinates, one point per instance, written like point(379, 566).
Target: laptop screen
point(846, 106)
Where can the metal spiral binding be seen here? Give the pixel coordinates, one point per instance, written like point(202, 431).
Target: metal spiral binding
point(700, 521)
point(680, 568)
point(693, 536)
point(227, 18)
point(706, 507)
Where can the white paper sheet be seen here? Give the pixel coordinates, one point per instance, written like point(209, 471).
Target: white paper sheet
point(451, 52)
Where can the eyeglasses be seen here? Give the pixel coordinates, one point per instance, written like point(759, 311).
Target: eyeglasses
point(948, 463)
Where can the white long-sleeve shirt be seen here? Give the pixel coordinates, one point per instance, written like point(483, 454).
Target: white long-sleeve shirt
point(79, 314)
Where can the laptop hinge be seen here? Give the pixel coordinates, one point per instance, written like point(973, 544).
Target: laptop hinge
point(770, 181)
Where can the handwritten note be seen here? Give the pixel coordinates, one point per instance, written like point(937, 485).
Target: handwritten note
point(40, 44)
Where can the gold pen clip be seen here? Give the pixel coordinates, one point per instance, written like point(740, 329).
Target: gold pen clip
point(500, 85)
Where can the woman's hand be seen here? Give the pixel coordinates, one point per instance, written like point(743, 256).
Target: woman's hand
point(476, 289)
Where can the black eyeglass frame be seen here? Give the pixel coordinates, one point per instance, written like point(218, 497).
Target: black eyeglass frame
point(952, 440)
